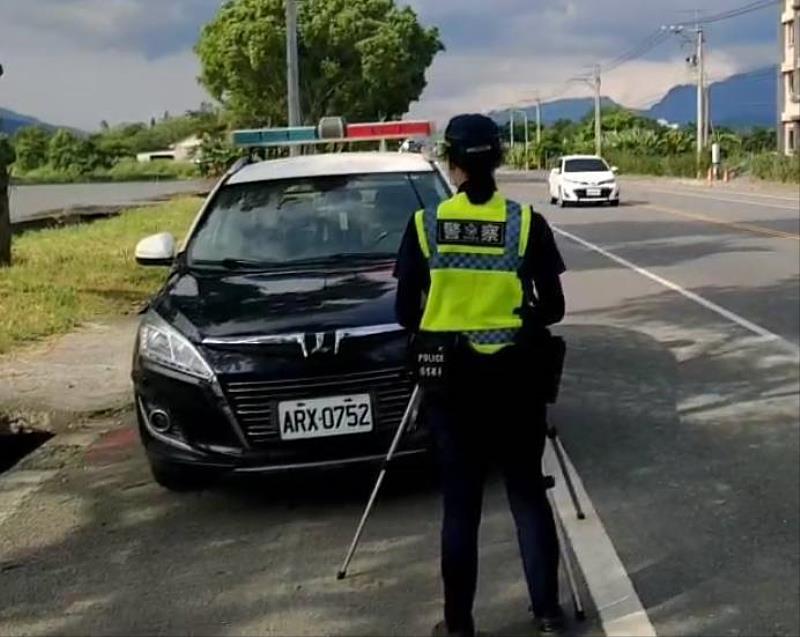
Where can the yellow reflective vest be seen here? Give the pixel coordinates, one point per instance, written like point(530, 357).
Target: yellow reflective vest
point(474, 254)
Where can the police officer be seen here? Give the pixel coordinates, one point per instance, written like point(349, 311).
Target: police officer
point(487, 268)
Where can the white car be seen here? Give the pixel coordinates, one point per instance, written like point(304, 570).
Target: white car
point(583, 178)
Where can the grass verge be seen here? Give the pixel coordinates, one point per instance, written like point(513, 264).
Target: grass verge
point(66, 276)
point(123, 171)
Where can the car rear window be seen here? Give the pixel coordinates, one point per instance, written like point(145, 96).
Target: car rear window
point(294, 220)
point(585, 166)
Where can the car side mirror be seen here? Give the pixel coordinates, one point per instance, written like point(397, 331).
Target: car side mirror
point(156, 250)
point(614, 169)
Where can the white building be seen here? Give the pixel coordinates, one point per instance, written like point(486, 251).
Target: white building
point(185, 150)
point(790, 77)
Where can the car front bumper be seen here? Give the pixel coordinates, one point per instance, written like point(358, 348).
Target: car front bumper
point(575, 193)
point(207, 428)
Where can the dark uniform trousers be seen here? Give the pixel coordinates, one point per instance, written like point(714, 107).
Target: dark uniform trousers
point(488, 417)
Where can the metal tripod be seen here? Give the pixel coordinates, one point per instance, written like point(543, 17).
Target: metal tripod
point(566, 557)
point(411, 410)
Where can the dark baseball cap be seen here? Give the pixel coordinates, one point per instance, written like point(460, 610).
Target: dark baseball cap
point(472, 134)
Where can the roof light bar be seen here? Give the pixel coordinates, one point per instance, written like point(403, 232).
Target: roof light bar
point(389, 130)
point(275, 136)
point(331, 130)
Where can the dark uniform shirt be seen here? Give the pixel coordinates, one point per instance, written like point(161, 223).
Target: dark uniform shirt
point(540, 271)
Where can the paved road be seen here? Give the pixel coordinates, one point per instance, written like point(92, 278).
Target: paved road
point(32, 201)
point(679, 410)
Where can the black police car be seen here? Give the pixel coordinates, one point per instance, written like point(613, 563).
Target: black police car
point(273, 344)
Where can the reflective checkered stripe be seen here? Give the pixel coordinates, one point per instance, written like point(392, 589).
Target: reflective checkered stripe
point(492, 337)
point(475, 289)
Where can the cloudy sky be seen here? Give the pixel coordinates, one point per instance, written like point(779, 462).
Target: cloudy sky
point(77, 62)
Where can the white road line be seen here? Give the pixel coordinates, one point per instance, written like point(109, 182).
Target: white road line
point(621, 611)
point(762, 332)
point(761, 204)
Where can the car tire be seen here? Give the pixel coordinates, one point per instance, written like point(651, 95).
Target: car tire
point(562, 203)
point(614, 203)
point(553, 200)
point(178, 478)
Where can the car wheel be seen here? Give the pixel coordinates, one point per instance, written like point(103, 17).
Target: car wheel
point(178, 478)
point(562, 203)
point(614, 203)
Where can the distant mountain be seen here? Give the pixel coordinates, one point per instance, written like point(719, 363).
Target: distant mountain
point(741, 101)
point(11, 122)
point(573, 109)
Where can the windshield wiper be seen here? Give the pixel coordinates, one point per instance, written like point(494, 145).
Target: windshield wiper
point(237, 264)
point(345, 257)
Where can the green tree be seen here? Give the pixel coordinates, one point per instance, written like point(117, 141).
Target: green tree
point(217, 154)
point(759, 140)
point(31, 146)
point(362, 59)
point(63, 150)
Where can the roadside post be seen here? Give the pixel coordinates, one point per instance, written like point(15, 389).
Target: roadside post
point(716, 161)
point(7, 157)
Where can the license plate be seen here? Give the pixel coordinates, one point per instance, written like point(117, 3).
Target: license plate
point(322, 417)
point(593, 192)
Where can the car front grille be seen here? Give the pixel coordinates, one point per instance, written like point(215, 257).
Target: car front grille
point(255, 403)
point(604, 193)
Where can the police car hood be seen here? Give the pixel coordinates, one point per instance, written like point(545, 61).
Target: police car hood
point(257, 304)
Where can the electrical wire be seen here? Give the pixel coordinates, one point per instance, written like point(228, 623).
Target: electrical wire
point(731, 13)
point(652, 41)
point(655, 39)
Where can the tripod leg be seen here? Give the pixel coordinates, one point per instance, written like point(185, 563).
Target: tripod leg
point(558, 449)
point(410, 410)
point(566, 559)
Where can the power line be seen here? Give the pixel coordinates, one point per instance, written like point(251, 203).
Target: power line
point(655, 39)
point(732, 13)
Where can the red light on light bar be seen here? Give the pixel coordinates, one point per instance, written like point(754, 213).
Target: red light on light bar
point(389, 129)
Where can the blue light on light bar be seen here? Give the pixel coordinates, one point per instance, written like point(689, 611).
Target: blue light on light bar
point(274, 136)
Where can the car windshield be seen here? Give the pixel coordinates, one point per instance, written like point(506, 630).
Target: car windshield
point(585, 166)
point(311, 220)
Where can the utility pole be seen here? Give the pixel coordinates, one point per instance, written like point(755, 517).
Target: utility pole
point(6, 159)
point(527, 133)
point(598, 126)
point(511, 126)
point(292, 70)
point(538, 120)
point(701, 81)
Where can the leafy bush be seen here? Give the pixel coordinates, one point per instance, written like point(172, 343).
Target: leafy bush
point(680, 165)
point(125, 170)
point(776, 167)
point(31, 144)
point(217, 154)
point(131, 170)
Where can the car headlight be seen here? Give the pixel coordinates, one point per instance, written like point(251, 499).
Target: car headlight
point(161, 343)
point(606, 182)
point(572, 182)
